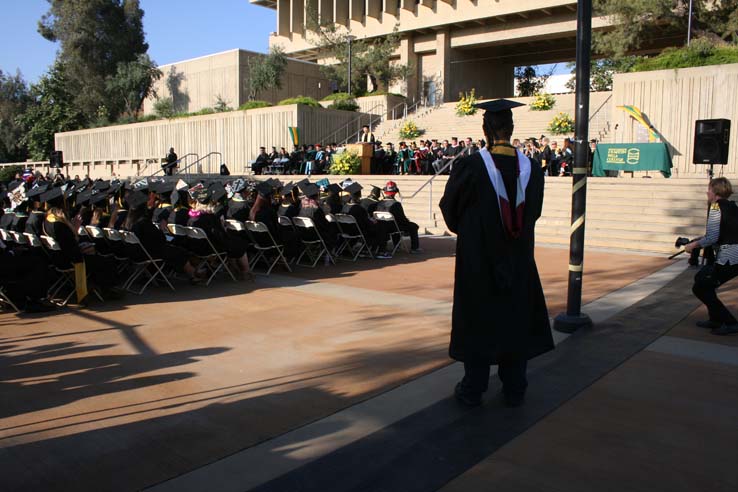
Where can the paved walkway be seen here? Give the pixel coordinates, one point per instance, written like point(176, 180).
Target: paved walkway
point(333, 379)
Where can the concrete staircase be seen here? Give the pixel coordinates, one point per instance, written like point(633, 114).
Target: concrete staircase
point(442, 122)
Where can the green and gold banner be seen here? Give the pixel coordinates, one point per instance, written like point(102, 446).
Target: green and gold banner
point(632, 157)
point(294, 134)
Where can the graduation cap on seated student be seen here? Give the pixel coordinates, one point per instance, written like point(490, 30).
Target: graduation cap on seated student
point(217, 191)
point(136, 199)
point(83, 197)
point(288, 189)
point(333, 188)
point(353, 188)
point(310, 190)
point(101, 185)
point(54, 197)
point(265, 189)
point(37, 190)
point(497, 114)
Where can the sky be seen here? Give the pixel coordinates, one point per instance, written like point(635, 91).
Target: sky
point(175, 30)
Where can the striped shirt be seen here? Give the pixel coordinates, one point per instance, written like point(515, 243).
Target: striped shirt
point(726, 253)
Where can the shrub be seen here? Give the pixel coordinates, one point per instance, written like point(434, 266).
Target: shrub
point(542, 102)
point(7, 173)
point(465, 106)
point(148, 117)
point(254, 105)
point(345, 163)
point(699, 53)
point(345, 103)
point(337, 95)
point(410, 130)
point(307, 101)
point(164, 108)
point(561, 124)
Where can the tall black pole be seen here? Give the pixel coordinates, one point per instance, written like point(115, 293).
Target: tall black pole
point(574, 319)
point(350, 38)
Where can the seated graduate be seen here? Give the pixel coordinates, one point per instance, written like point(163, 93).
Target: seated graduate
point(139, 221)
point(290, 206)
point(264, 212)
point(311, 208)
point(332, 203)
point(163, 202)
point(370, 202)
point(389, 204)
point(375, 235)
point(36, 216)
point(202, 215)
point(58, 226)
point(24, 280)
point(238, 205)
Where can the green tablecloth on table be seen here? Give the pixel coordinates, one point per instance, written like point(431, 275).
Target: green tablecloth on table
point(632, 157)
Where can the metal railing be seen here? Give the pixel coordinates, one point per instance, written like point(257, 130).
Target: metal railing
point(334, 137)
point(199, 169)
point(429, 182)
point(178, 161)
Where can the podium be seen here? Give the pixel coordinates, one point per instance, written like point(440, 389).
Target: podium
point(365, 151)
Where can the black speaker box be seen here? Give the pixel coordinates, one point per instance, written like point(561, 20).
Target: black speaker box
point(711, 139)
point(57, 159)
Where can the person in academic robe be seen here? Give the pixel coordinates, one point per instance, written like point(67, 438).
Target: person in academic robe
point(389, 204)
point(311, 208)
point(492, 201)
point(238, 205)
point(374, 233)
point(290, 206)
point(366, 135)
point(370, 202)
point(332, 204)
point(170, 164)
point(263, 212)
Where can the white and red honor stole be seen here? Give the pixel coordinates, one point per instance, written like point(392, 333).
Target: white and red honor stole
point(513, 223)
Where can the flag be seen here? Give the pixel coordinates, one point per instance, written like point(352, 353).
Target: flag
point(294, 134)
point(640, 118)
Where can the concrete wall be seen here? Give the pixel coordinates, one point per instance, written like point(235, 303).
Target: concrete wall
point(237, 135)
point(200, 81)
point(391, 107)
point(673, 100)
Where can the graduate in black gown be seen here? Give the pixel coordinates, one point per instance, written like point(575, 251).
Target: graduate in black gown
point(389, 204)
point(290, 206)
point(492, 201)
point(375, 234)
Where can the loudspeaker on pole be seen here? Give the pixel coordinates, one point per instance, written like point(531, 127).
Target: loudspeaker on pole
point(711, 139)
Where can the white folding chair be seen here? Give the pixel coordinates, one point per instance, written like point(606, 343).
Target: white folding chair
point(315, 247)
point(267, 249)
point(65, 271)
point(353, 237)
point(19, 238)
point(4, 299)
point(217, 257)
point(396, 235)
point(6, 237)
point(235, 225)
point(144, 266)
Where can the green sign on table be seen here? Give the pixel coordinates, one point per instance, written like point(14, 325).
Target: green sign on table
point(632, 157)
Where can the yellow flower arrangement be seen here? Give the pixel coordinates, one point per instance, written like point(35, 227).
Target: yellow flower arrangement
point(410, 130)
point(542, 102)
point(465, 106)
point(345, 163)
point(561, 124)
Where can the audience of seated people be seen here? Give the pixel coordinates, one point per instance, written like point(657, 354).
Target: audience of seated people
point(73, 212)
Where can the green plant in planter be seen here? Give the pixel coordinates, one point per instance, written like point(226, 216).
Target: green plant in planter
point(345, 103)
point(561, 124)
point(465, 106)
point(254, 105)
point(345, 163)
point(542, 102)
point(410, 130)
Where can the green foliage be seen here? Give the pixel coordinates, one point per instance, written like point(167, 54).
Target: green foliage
point(601, 72)
point(638, 23)
point(133, 82)
point(529, 82)
point(465, 106)
point(370, 58)
point(345, 163)
point(542, 102)
point(53, 110)
point(221, 105)
point(95, 37)
point(7, 173)
point(699, 53)
point(345, 103)
point(561, 124)
point(307, 101)
point(164, 107)
point(336, 95)
point(14, 100)
point(410, 130)
point(265, 71)
point(254, 105)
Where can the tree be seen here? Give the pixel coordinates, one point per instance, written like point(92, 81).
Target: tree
point(265, 71)
point(14, 100)
point(95, 37)
point(52, 109)
point(370, 58)
point(636, 23)
point(529, 82)
point(132, 83)
point(601, 72)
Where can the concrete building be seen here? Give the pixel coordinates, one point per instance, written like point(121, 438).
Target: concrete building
point(199, 82)
point(454, 45)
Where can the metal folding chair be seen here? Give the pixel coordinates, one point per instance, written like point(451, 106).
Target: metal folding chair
point(144, 266)
point(353, 237)
point(402, 240)
point(217, 257)
point(4, 299)
point(66, 273)
point(315, 247)
point(267, 249)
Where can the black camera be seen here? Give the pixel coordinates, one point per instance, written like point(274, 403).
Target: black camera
point(681, 242)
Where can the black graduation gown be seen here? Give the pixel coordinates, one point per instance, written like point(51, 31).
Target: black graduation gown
point(374, 236)
point(6, 221)
point(210, 223)
point(395, 208)
point(155, 242)
point(369, 204)
point(327, 230)
point(162, 212)
point(499, 311)
point(238, 210)
point(35, 223)
point(288, 210)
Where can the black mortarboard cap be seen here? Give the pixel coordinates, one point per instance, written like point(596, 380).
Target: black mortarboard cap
point(99, 197)
point(264, 188)
point(203, 196)
point(141, 185)
point(309, 189)
point(217, 191)
point(333, 187)
point(287, 189)
point(136, 199)
point(53, 195)
point(164, 187)
point(178, 196)
point(353, 188)
point(301, 185)
point(83, 197)
point(498, 105)
point(101, 185)
point(37, 190)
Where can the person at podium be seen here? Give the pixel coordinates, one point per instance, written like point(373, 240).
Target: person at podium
point(366, 135)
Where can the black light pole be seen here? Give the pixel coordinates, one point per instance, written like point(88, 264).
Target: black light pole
point(349, 38)
point(574, 319)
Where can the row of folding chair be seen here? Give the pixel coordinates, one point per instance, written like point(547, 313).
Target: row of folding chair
point(215, 261)
point(268, 250)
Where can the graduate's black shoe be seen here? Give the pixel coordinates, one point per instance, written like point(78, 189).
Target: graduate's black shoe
point(708, 324)
point(512, 401)
point(726, 330)
point(467, 398)
point(41, 306)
